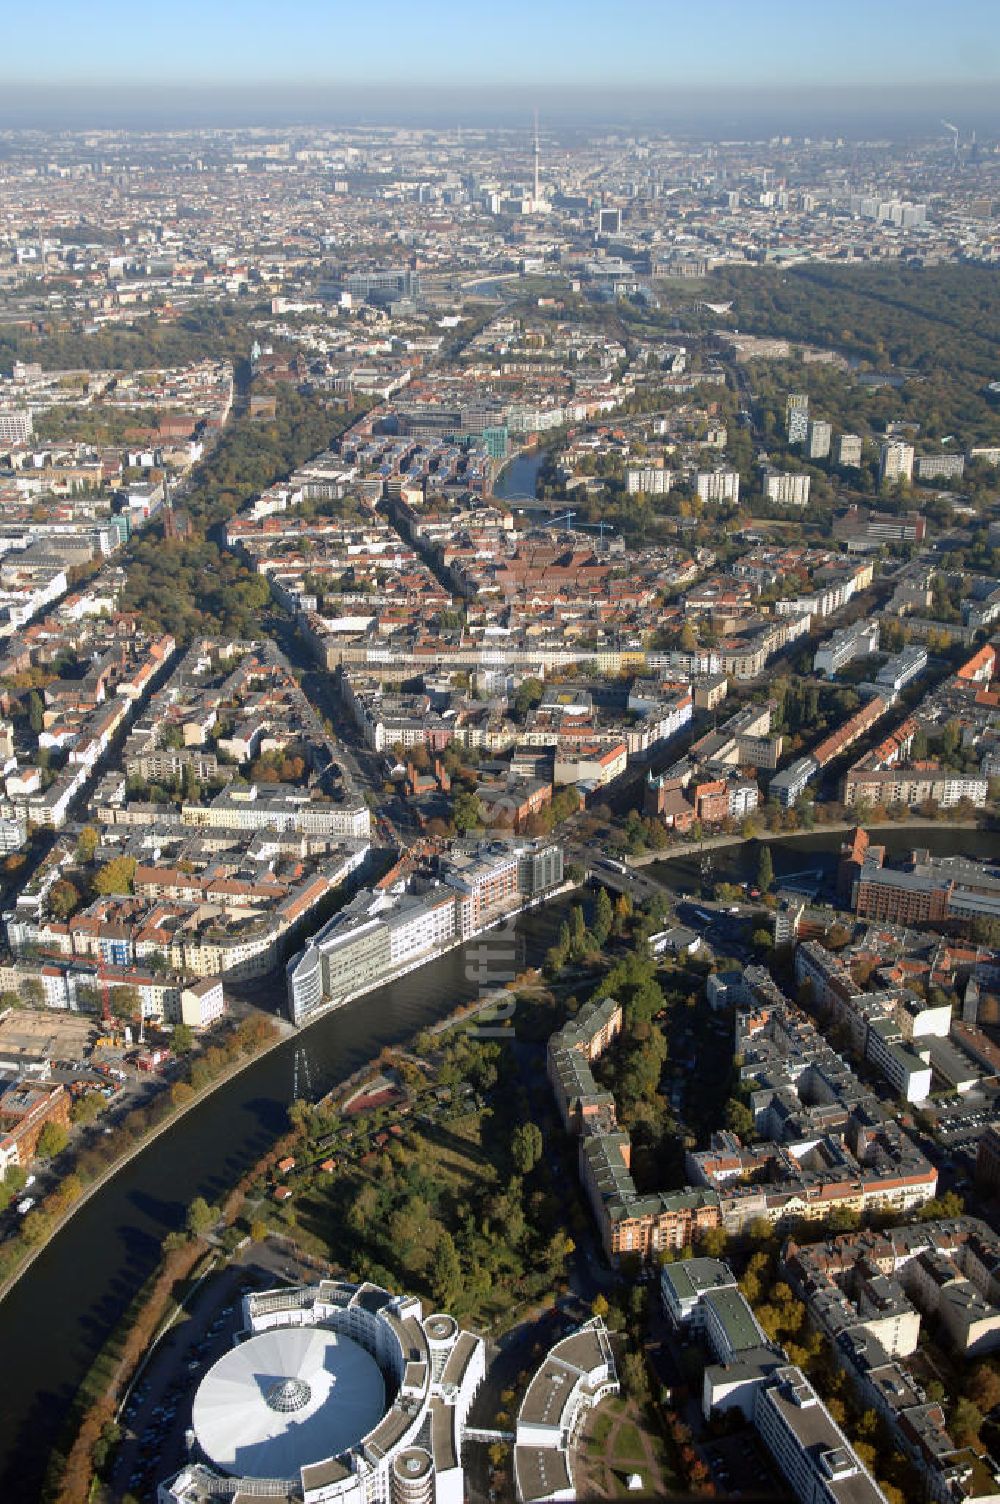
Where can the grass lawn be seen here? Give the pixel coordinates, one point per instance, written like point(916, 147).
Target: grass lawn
point(600, 1429)
point(628, 1447)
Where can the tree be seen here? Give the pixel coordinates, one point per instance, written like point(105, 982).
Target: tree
point(32, 991)
point(983, 1388)
point(965, 1422)
point(634, 1377)
point(116, 876)
point(599, 1306)
point(946, 1206)
point(36, 711)
point(126, 1002)
point(712, 1243)
point(577, 927)
point(603, 917)
point(52, 1140)
point(362, 1210)
point(88, 1108)
point(200, 1217)
point(527, 695)
point(526, 1147)
point(765, 870)
point(951, 738)
point(446, 1271)
point(738, 1118)
point(467, 813)
point(87, 844)
point(623, 913)
point(182, 1039)
point(64, 899)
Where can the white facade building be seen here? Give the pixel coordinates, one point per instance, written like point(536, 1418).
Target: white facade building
point(895, 462)
point(300, 1402)
point(718, 485)
point(787, 488)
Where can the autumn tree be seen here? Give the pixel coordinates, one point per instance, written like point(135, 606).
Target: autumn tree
point(116, 876)
point(52, 1140)
point(86, 844)
point(200, 1217)
point(64, 899)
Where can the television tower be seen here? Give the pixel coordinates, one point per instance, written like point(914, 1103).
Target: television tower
point(538, 195)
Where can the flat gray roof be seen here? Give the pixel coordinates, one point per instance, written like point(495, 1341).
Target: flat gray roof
point(540, 1472)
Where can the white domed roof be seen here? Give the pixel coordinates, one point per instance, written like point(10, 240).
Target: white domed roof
point(286, 1398)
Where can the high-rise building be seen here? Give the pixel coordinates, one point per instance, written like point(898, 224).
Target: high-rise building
point(16, 426)
point(718, 485)
point(650, 479)
point(847, 450)
point(786, 489)
point(797, 417)
point(895, 462)
point(818, 436)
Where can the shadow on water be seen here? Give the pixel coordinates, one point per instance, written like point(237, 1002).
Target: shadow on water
point(169, 1214)
point(55, 1320)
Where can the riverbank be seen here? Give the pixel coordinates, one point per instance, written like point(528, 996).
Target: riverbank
point(517, 478)
point(765, 837)
point(156, 1131)
point(334, 1004)
point(285, 1031)
point(59, 1312)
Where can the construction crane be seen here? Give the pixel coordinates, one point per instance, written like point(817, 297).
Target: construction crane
point(107, 1015)
point(597, 527)
point(563, 517)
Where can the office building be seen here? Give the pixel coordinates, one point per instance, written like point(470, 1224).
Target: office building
point(649, 480)
point(859, 640)
point(786, 787)
point(382, 934)
point(336, 1392)
point(575, 1375)
point(939, 466)
point(814, 1455)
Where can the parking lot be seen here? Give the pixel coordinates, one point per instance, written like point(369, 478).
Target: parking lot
point(157, 1413)
point(741, 1469)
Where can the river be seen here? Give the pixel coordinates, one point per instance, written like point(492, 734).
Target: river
point(518, 479)
point(810, 860)
point(59, 1313)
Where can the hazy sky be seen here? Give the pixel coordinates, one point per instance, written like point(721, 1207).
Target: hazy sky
point(642, 43)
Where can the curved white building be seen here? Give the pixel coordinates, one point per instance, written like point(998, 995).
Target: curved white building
point(334, 1392)
point(576, 1375)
